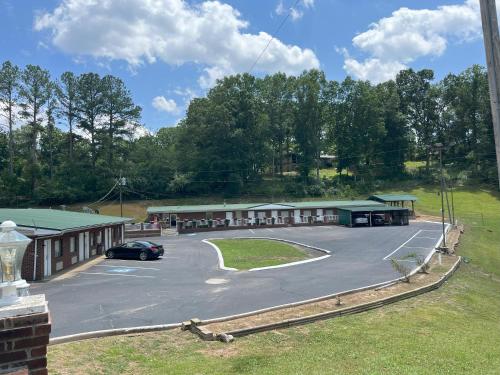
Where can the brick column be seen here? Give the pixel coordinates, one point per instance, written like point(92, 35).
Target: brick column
point(24, 335)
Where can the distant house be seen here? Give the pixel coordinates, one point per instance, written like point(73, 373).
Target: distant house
point(62, 238)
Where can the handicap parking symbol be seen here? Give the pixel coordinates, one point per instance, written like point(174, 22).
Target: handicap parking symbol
point(121, 270)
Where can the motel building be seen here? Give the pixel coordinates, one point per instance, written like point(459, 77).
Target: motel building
point(187, 219)
point(61, 239)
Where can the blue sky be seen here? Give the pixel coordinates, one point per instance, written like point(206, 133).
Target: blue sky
point(168, 51)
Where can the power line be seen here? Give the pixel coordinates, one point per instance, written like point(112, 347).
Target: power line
point(104, 197)
point(272, 37)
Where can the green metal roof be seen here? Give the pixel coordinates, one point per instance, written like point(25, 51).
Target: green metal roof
point(248, 206)
point(333, 204)
point(393, 197)
point(201, 208)
point(57, 219)
point(383, 208)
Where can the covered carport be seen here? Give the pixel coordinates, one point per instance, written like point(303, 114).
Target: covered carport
point(397, 200)
point(392, 215)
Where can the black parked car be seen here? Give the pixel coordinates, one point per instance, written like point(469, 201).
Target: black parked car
point(142, 250)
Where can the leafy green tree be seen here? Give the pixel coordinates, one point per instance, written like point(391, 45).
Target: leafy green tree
point(90, 104)
point(309, 124)
point(395, 144)
point(276, 93)
point(67, 93)
point(419, 104)
point(34, 93)
point(9, 85)
point(122, 115)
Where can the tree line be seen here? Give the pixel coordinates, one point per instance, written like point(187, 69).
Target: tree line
point(68, 139)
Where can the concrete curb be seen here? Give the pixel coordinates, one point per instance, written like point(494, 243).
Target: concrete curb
point(349, 310)
point(111, 332)
point(219, 255)
point(223, 267)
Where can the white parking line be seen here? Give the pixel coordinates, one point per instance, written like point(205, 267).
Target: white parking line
point(416, 247)
point(307, 228)
point(270, 230)
point(115, 274)
point(428, 238)
point(412, 237)
point(287, 229)
point(141, 268)
point(251, 230)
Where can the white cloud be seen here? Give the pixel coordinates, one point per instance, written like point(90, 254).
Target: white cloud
point(210, 33)
point(408, 34)
point(296, 12)
point(163, 104)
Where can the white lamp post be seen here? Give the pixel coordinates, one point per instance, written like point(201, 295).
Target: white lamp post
point(12, 247)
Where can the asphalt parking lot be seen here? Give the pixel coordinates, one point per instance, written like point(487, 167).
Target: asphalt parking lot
point(187, 281)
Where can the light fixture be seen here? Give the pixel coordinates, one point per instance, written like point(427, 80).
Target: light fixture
point(12, 247)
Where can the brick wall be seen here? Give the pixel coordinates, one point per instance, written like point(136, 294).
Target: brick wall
point(68, 257)
point(23, 342)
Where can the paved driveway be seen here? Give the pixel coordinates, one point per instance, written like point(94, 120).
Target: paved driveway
point(187, 282)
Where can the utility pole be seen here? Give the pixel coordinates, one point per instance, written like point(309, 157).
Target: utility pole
point(492, 47)
point(121, 182)
point(439, 147)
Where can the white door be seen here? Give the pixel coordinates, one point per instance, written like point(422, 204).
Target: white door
point(274, 213)
point(229, 216)
point(105, 245)
point(47, 258)
point(319, 214)
point(110, 238)
point(296, 215)
point(81, 247)
point(251, 216)
point(87, 245)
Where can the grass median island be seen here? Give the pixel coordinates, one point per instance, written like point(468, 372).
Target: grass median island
point(454, 330)
point(245, 254)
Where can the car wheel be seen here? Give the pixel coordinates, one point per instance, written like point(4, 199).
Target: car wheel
point(110, 254)
point(143, 255)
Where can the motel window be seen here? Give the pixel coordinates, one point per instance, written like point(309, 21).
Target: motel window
point(284, 213)
point(261, 214)
point(58, 248)
point(92, 239)
point(210, 215)
point(329, 212)
point(72, 244)
point(307, 212)
point(99, 237)
point(238, 215)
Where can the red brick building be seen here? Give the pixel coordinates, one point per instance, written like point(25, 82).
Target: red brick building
point(62, 238)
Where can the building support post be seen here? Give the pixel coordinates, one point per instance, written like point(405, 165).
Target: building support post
point(492, 47)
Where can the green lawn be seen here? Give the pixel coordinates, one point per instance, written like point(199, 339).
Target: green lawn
point(454, 330)
point(244, 254)
point(414, 165)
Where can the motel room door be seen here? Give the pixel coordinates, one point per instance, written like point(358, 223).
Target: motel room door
point(47, 258)
point(81, 247)
point(296, 216)
point(87, 245)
